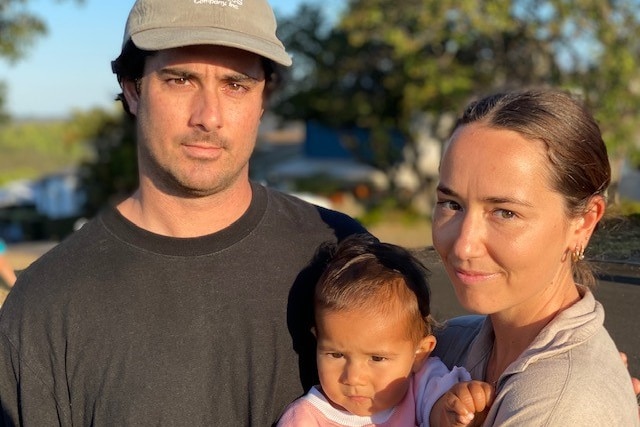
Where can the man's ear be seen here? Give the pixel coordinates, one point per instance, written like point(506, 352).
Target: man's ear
point(424, 349)
point(130, 89)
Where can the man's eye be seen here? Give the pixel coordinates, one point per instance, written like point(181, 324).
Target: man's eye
point(449, 204)
point(378, 358)
point(336, 355)
point(506, 214)
point(236, 87)
point(181, 81)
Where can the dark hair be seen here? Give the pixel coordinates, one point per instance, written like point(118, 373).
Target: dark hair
point(578, 162)
point(364, 273)
point(129, 65)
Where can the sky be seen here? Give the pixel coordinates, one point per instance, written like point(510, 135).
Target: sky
point(68, 69)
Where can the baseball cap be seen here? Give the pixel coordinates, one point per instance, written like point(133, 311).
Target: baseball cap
point(243, 24)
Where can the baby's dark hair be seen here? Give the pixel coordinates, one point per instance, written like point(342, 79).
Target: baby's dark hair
point(363, 273)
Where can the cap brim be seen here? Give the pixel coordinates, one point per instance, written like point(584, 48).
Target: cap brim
point(167, 38)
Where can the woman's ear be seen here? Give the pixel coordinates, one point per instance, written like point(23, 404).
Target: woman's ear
point(586, 223)
point(424, 349)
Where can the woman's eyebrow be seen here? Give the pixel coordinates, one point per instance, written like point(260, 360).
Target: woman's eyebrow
point(491, 199)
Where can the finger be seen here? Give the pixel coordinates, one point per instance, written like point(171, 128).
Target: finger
point(636, 385)
point(450, 411)
point(460, 402)
point(624, 358)
point(464, 420)
point(482, 395)
point(456, 404)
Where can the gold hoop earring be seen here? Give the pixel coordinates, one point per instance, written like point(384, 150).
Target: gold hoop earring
point(577, 254)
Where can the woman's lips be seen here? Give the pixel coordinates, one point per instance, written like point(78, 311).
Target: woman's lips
point(473, 277)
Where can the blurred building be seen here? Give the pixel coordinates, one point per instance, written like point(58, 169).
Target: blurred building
point(629, 187)
point(44, 208)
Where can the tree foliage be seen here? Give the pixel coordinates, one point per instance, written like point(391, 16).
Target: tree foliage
point(385, 67)
point(382, 65)
point(99, 142)
point(4, 116)
point(19, 30)
point(111, 174)
point(33, 148)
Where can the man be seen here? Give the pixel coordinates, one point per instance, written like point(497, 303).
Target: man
point(188, 303)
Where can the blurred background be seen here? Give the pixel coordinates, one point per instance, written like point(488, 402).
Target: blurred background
point(357, 125)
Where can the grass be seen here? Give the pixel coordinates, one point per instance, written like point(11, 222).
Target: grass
point(32, 149)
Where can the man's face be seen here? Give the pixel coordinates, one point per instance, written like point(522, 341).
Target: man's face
point(198, 109)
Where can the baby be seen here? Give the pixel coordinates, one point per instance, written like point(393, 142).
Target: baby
point(374, 336)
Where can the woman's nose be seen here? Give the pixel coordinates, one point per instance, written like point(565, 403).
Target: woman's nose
point(468, 238)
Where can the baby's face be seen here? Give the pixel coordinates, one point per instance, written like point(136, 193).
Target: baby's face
point(364, 359)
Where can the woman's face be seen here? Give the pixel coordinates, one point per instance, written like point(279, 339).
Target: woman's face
point(502, 232)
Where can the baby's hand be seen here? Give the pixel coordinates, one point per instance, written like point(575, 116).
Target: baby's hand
point(463, 405)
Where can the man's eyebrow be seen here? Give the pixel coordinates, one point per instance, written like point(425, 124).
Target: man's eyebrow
point(241, 77)
point(233, 76)
point(446, 190)
point(175, 71)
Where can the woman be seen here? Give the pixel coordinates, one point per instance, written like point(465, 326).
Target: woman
point(522, 187)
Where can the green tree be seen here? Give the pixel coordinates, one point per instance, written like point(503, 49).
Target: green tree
point(4, 116)
point(111, 173)
point(31, 149)
point(382, 66)
point(19, 30)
